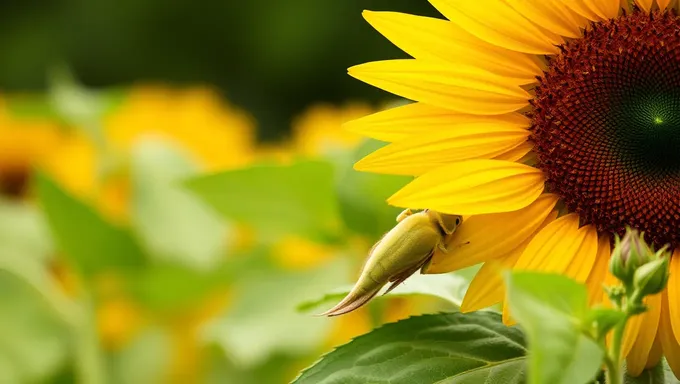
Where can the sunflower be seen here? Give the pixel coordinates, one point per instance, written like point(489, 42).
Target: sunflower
point(552, 125)
point(215, 134)
point(25, 141)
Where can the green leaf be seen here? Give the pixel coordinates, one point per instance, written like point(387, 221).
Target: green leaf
point(263, 321)
point(551, 308)
point(33, 342)
point(362, 196)
point(25, 251)
point(170, 287)
point(275, 199)
point(90, 242)
point(604, 319)
point(23, 231)
point(472, 348)
point(448, 287)
point(173, 223)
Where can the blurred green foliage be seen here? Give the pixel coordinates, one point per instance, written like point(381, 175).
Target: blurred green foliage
point(196, 276)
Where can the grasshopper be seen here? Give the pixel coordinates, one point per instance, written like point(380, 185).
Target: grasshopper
point(405, 249)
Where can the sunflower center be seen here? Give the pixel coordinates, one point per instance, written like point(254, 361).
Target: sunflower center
point(606, 124)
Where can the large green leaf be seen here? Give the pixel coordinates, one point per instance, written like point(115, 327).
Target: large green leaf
point(23, 230)
point(448, 287)
point(25, 251)
point(297, 198)
point(169, 286)
point(362, 195)
point(90, 242)
point(458, 348)
point(33, 341)
point(173, 223)
point(550, 309)
point(263, 321)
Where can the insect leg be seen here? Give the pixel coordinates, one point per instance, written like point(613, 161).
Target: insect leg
point(404, 214)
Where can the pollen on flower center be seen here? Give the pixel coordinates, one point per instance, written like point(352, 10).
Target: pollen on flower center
point(606, 125)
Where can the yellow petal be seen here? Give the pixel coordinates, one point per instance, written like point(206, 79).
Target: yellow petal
point(582, 261)
point(606, 9)
point(645, 5)
point(551, 15)
point(558, 245)
point(663, 4)
point(507, 317)
point(460, 88)
point(631, 333)
point(488, 288)
point(674, 293)
point(625, 4)
point(484, 237)
point(516, 154)
point(495, 22)
point(438, 40)
point(419, 154)
point(399, 123)
point(656, 353)
point(473, 187)
point(584, 9)
point(671, 348)
point(598, 272)
point(641, 348)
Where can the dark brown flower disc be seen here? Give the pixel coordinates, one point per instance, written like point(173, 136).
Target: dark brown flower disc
point(606, 125)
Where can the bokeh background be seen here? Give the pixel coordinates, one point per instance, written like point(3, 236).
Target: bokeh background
point(177, 196)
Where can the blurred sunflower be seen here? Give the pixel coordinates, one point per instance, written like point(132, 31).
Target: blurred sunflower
point(24, 143)
point(217, 136)
point(530, 109)
point(318, 131)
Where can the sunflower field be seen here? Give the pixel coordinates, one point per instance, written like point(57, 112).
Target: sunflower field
point(205, 192)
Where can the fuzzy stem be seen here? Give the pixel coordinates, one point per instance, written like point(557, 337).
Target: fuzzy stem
point(613, 360)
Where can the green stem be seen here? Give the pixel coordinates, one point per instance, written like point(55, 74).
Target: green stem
point(614, 373)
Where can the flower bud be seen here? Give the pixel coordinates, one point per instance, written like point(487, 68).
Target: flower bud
point(629, 254)
point(651, 278)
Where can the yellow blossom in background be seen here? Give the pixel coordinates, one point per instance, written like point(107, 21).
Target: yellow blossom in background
point(118, 317)
point(187, 354)
point(295, 252)
point(216, 135)
point(118, 321)
point(24, 143)
point(281, 153)
point(319, 131)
